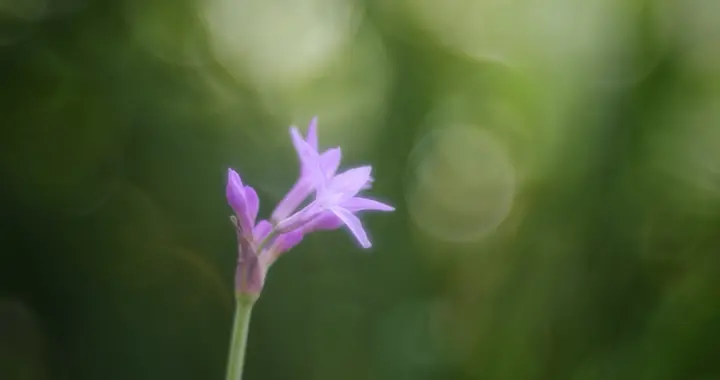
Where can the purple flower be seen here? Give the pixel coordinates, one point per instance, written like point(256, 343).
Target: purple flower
point(328, 161)
point(254, 257)
point(335, 201)
point(335, 204)
point(280, 244)
point(243, 200)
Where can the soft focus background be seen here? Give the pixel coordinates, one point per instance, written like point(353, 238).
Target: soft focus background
point(555, 165)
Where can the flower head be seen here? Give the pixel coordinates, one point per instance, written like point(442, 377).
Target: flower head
point(335, 203)
point(243, 200)
point(336, 200)
point(329, 162)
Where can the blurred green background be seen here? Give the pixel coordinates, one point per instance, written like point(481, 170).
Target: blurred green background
point(555, 165)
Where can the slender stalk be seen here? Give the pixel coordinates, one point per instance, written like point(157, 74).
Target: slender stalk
point(236, 358)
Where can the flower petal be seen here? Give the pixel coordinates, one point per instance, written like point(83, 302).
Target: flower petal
point(261, 230)
point(310, 167)
point(348, 183)
point(356, 204)
point(234, 177)
point(290, 202)
point(368, 185)
point(330, 161)
point(354, 225)
point(235, 193)
point(287, 241)
point(299, 143)
point(312, 137)
point(299, 219)
point(326, 221)
point(253, 203)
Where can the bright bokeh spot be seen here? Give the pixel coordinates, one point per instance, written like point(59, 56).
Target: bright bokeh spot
point(274, 42)
point(595, 39)
point(462, 184)
point(349, 97)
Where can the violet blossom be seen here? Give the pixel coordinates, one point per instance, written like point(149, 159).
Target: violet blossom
point(335, 202)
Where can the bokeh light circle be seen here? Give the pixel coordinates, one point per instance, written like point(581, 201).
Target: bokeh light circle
point(272, 42)
point(461, 183)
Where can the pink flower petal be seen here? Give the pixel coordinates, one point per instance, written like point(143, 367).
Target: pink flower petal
point(253, 203)
point(310, 166)
point(354, 225)
point(290, 202)
point(348, 183)
point(330, 162)
point(357, 204)
point(261, 230)
point(235, 192)
point(287, 241)
point(237, 198)
point(326, 221)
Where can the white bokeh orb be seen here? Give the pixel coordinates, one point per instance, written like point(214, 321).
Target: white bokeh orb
point(461, 183)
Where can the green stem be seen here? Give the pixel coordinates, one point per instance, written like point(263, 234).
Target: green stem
point(236, 358)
